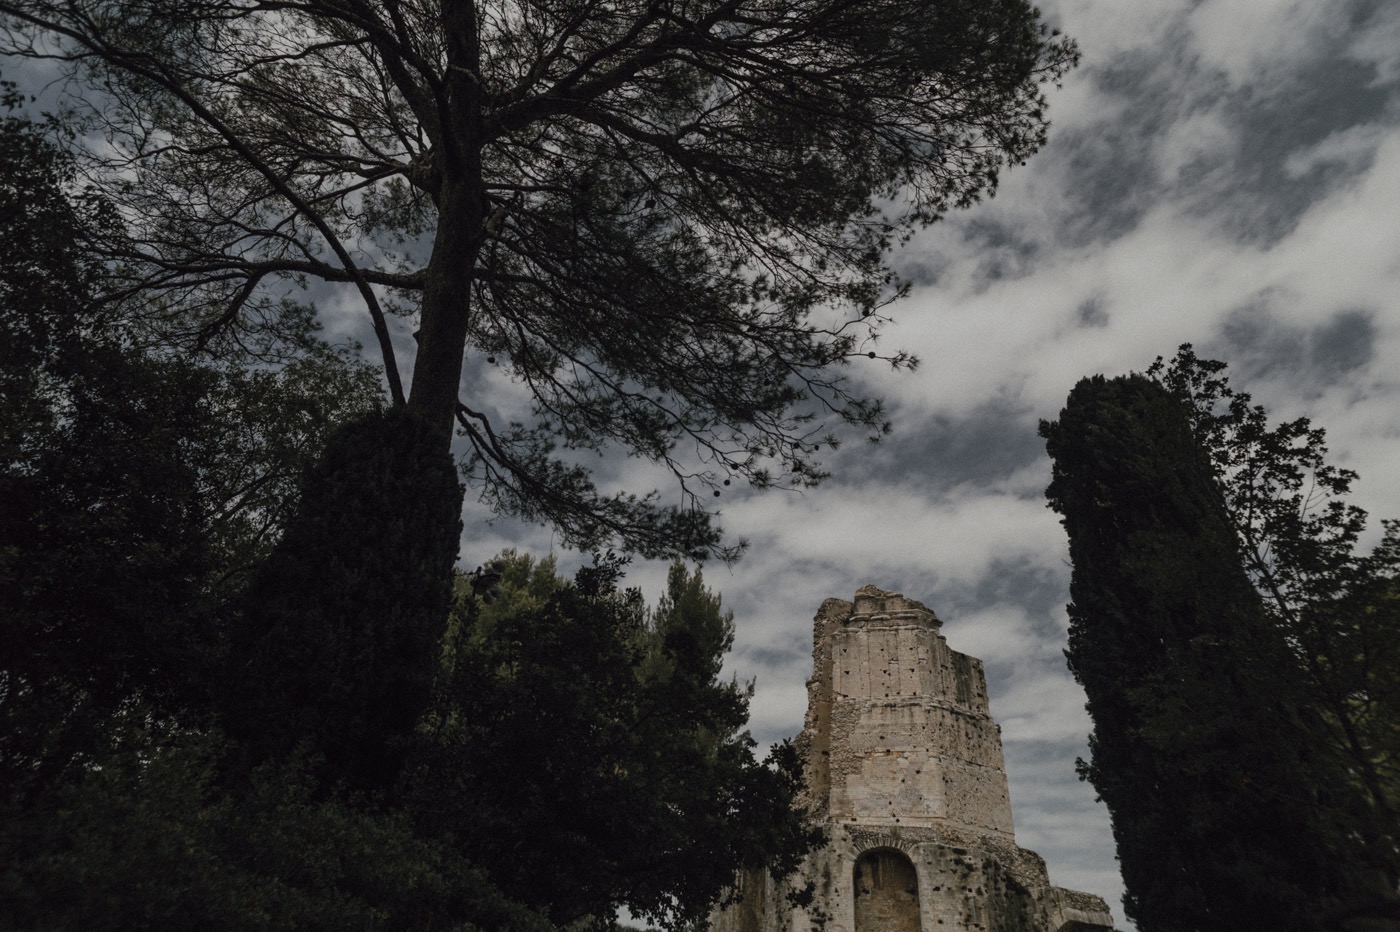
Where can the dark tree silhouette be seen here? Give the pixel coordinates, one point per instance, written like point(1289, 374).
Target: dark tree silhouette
point(1206, 748)
point(587, 754)
point(665, 221)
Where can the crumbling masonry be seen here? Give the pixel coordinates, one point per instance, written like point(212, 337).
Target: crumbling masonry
point(905, 772)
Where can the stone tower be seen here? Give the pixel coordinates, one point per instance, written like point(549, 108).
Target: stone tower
point(905, 773)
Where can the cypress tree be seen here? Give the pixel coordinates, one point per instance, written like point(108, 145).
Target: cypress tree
point(1203, 746)
point(341, 630)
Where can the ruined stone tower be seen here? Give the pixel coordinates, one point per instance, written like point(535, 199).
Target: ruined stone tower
point(905, 772)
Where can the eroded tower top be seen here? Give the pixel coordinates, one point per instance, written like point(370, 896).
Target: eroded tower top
point(898, 730)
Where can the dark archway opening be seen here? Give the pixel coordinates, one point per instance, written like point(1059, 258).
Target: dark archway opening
point(886, 892)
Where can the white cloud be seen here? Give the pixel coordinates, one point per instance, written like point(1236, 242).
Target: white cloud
point(1042, 705)
point(1346, 151)
point(1252, 40)
point(1376, 45)
point(1105, 29)
point(1201, 136)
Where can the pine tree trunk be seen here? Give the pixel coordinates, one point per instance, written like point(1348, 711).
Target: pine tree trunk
point(461, 209)
point(442, 334)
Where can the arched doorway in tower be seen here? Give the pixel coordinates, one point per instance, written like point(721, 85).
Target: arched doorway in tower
point(887, 892)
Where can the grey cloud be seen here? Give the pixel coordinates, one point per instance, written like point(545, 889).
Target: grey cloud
point(1112, 165)
point(1259, 346)
point(1040, 591)
point(1002, 251)
point(1343, 345)
point(1091, 313)
point(798, 653)
point(1037, 591)
point(994, 441)
point(918, 269)
point(1260, 199)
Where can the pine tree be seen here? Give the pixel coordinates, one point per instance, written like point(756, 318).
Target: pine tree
point(587, 754)
point(667, 222)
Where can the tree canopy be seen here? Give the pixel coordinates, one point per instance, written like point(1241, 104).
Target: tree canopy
point(230, 696)
point(1299, 540)
point(1229, 807)
point(664, 222)
point(139, 488)
point(587, 753)
point(137, 492)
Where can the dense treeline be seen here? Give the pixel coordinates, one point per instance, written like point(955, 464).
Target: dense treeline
point(1240, 658)
point(242, 689)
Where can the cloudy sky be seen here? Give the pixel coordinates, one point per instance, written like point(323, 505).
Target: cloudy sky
point(1220, 172)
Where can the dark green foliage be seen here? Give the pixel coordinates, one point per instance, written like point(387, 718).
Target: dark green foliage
point(184, 748)
point(342, 624)
point(151, 838)
point(1205, 747)
point(136, 487)
point(1355, 663)
point(105, 521)
point(1335, 605)
point(140, 502)
point(587, 755)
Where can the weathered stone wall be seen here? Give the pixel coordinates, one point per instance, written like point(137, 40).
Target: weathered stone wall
point(905, 771)
point(968, 884)
point(907, 735)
